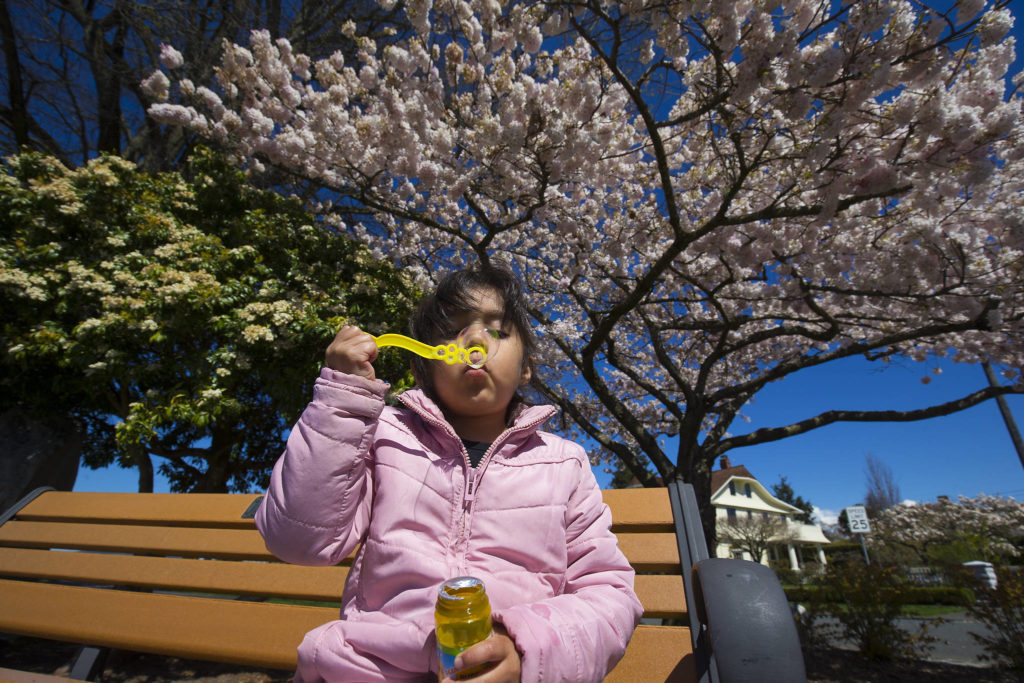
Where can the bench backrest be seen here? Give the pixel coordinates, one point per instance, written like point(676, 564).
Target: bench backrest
point(187, 575)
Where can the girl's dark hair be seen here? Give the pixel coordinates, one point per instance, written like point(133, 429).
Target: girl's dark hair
point(431, 321)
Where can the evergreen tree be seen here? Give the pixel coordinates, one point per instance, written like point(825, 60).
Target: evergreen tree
point(784, 492)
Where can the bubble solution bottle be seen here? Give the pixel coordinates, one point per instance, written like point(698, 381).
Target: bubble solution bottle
point(462, 618)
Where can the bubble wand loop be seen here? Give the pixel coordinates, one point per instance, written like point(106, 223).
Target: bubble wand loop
point(473, 356)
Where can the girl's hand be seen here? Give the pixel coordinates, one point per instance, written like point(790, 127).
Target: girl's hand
point(352, 351)
point(500, 651)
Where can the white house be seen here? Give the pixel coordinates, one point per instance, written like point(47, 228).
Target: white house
point(736, 494)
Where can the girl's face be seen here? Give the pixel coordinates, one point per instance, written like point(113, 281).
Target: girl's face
point(468, 393)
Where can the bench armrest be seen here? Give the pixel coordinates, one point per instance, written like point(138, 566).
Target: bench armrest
point(750, 626)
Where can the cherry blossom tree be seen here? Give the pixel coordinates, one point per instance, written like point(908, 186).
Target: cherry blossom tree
point(988, 527)
point(184, 320)
point(703, 197)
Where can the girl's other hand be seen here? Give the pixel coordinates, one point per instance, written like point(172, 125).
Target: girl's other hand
point(352, 351)
point(500, 651)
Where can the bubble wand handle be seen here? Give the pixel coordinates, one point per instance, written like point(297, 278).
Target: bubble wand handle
point(449, 353)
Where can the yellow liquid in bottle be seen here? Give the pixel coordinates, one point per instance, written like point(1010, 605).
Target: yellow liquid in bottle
point(462, 618)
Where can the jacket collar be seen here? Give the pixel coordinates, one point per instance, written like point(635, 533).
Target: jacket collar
point(525, 418)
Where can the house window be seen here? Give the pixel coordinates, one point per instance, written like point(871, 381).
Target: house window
point(731, 512)
point(748, 490)
point(764, 516)
point(749, 514)
point(732, 488)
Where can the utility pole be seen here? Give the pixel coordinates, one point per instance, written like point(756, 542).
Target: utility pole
point(1004, 408)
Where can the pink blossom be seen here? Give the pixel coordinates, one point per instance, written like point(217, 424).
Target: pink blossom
point(157, 86)
point(174, 114)
point(968, 9)
point(994, 25)
point(170, 57)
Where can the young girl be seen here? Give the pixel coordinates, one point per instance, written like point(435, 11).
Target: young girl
point(462, 482)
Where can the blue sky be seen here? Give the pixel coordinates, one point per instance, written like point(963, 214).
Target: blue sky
point(967, 453)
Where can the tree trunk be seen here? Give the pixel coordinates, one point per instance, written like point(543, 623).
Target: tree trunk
point(15, 89)
point(218, 462)
point(108, 95)
point(215, 479)
point(144, 464)
point(106, 64)
point(694, 467)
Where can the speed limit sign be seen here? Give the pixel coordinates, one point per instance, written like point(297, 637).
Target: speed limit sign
point(857, 517)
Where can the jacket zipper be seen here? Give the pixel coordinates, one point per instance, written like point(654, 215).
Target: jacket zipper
point(473, 474)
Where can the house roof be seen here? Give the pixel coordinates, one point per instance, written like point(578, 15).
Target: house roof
point(720, 477)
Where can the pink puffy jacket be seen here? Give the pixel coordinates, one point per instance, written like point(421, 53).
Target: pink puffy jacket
point(529, 521)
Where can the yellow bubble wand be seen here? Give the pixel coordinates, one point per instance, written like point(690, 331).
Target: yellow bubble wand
point(475, 356)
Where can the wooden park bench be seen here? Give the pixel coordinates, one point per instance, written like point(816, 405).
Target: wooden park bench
point(187, 575)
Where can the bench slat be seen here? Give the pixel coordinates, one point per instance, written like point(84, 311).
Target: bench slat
point(322, 584)
point(646, 660)
point(650, 553)
point(256, 634)
point(639, 509)
point(633, 508)
point(238, 544)
point(158, 509)
point(661, 595)
point(248, 633)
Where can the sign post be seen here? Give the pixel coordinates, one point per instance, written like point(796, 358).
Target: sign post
point(857, 518)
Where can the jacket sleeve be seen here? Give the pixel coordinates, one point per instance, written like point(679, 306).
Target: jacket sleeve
point(582, 634)
point(317, 507)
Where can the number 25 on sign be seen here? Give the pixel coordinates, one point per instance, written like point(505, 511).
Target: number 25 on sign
point(857, 517)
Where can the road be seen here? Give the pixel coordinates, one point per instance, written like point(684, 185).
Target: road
point(954, 645)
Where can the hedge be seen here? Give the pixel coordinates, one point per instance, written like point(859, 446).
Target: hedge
point(930, 595)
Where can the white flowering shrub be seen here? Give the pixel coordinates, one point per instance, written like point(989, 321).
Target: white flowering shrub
point(184, 319)
point(949, 532)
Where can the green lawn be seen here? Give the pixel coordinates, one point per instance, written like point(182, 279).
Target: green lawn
point(931, 610)
point(926, 611)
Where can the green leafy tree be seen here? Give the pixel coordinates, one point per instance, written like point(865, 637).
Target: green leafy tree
point(179, 319)
point(784, 492)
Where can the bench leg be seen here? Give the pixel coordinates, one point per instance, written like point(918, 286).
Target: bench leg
point(89, 663)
